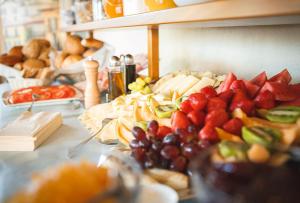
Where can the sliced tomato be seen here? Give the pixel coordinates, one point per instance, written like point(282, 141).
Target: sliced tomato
point(252, 89)
point(227, 83)
point(282, 77)
point(281, 91)
point(59, 94)
point(260, 79)
point(21, 98)
point(70, 91)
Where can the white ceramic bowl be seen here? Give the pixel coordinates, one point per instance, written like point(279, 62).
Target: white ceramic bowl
point(189, 2)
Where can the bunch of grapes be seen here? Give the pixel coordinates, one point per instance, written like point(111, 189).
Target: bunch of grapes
point(160, 147)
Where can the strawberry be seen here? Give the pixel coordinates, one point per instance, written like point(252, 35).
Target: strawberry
point(196, 117)
point(260, 79)
point(245, 104)
point(198, 101)
point(225, 85)
point(217, 117)
point(186, 107)
point(208, 133)
point(265, 100)
point(238, 85)
point(233, 126)
point(216, 103)
point(281, 91)
point(163, 131)
point(209, 92)
point(179, 120)
point(252, 89)
point(282, 77)
point(226, 96)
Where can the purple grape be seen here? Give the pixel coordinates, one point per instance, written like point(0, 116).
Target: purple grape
point(157, 146)
point(144, 143)
point(154, 156)
point(139, 154)
point(171, 139)
point(165, 164)
point(179, 164)
point(138, 133)
point(134, 144)
point(152, 127)
point(170, 152)
point(190, 150)
point(204, 144)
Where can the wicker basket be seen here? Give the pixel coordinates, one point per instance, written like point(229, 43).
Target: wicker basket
point(76, 70)
point(16, 81)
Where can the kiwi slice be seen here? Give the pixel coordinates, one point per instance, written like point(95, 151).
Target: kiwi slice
point(260, 135)
point(164, 111)
point(283, 116)
point(229, 149)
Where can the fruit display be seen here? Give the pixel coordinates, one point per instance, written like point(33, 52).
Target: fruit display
point(41, 93)
point(246, 119)
point(31, 59)
point(139, 108)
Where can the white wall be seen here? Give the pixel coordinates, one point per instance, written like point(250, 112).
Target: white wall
point(244, 50)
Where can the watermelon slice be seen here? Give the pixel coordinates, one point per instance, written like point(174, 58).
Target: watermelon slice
point(252, 89)
point(227, 83)
point(260, 79)
point(282, 77)
point(238, 85)
point(265, 100)
point(281, 91)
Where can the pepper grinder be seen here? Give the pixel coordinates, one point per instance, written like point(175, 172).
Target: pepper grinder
point(92, 92)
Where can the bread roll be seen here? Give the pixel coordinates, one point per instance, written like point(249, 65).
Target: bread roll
point(18, 66)
point(10, 60)
point(44, 53)
point(59, 59)
point(29, 72)
point(32, 49)
point(43, 43)
point(71, 59)
point(73, 45)
point(92, 43)
point(16, 51)
point(89, 52)
point(34, 64)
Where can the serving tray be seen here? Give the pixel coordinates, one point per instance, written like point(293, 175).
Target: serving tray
point(78, 96)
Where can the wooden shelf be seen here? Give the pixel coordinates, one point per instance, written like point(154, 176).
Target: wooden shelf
point(212, 11)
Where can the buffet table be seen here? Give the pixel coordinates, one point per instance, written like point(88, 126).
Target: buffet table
point(54, 150)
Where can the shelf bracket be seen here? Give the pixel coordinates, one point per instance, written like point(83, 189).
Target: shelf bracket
point(153, 51)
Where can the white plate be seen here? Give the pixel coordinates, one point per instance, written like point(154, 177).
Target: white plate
point(78, 96)
point(157, 193)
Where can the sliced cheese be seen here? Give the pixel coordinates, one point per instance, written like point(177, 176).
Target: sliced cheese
point(205, 81)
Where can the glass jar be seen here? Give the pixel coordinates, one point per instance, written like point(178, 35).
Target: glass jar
point(154, 5)
point(113, 8)
point(83, 11)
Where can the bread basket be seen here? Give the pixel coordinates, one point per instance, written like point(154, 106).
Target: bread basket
point(76, 70)
point(16, 81)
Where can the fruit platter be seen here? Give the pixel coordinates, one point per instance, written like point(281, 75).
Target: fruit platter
point(220, 129)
